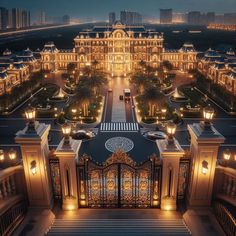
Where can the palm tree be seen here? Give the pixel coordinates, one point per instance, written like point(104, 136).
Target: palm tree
point(153, 97)
point(84, 95)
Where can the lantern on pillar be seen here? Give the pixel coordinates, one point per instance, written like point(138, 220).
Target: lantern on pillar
point(208, 113)
point(171, 128)
point(30, 114)
point(66, 130)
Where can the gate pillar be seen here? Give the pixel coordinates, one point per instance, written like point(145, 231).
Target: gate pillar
point(67, 153)
point(34, 148)
point(170, 152)
point(205, 141)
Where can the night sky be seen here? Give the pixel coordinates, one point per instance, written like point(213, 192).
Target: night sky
point(98, 9)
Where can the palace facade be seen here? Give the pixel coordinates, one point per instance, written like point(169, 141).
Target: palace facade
point(118, 49)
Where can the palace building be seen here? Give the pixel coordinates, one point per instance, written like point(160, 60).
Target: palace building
point(118, 49)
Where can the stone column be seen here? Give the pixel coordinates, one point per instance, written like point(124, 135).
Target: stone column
point(205, 143)
point(170, 155)
point(68, 154)
point(34, 148)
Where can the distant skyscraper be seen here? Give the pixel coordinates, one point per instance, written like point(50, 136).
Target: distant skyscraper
point(112, 18)
point(16, 18)
point(3, 18)
point(179, 18)
point(210, 17)
point(25, 19)
point(130, 18)
point(66, 19)
point(230, 18)
point(166, 16)
point(41, 18)
point(194, 18)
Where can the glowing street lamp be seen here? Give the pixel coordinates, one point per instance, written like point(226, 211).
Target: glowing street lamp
point(74, 110)
point(66, 130)
point(30, 114)
point(12, 154)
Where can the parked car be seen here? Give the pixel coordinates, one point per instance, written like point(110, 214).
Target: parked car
point(156, 135)
point(83, 134)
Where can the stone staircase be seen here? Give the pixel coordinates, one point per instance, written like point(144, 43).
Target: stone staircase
point(115, 227)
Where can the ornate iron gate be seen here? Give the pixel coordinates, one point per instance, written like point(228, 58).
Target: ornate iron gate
point(119, 182)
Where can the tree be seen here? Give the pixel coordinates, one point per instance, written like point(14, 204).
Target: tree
point(167, 65)
point(71, 67)
point(153, 96)
point(84, 95)
point(140, 81)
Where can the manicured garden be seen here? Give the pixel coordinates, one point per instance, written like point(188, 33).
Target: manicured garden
point(20, 93)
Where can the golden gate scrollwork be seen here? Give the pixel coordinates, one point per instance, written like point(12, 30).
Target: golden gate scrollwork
point(119, 182)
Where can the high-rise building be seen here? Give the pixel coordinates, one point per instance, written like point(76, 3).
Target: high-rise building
point(179, 18)
point(194, 18)
point(66, 19)
point(230, 18)
point(41, 18)
point(3, 18)
point(9, 20)
point(166, 16)
point(210, 17)
point(16, 18)
point(25, 19)
point(112, 18)
point(130, 18)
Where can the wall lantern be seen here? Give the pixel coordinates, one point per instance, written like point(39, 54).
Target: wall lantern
point(66, 130)
point(227, 154)
point(1, 155)
point(33, 167)
point(30, 114)
point(12, 154)
point(204, 167)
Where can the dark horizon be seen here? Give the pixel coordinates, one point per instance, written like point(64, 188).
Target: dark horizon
point(99, 9)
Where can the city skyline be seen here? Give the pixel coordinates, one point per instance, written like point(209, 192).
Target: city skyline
point(84, 10)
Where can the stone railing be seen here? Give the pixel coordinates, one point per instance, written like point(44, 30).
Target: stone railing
point(12, 182)
point(225, 218)
point(225, 184)
point(13, 198)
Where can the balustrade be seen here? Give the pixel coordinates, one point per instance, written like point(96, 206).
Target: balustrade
point(8, 181)
point(225, 184)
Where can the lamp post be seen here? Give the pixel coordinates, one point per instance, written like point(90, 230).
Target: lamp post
point(208, 113)
point(30, 114)
point(66, 130)
point(171, 128)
